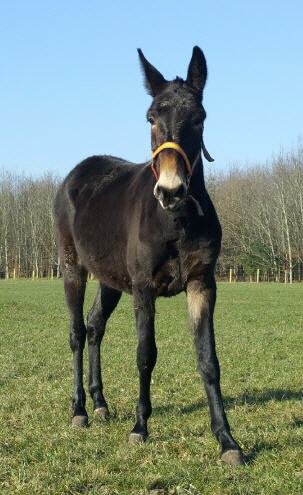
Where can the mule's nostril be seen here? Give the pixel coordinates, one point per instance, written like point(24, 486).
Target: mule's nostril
point(158, 191)
point(161, 192)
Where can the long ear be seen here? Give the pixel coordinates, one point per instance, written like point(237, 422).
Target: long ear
point(197, 71)
point(153, 79)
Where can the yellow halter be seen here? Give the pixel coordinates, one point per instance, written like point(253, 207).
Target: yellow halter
point(173, 146)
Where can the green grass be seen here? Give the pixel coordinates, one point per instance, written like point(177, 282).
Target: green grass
point(259, 331)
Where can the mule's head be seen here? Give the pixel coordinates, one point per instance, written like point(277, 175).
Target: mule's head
point(176, 116)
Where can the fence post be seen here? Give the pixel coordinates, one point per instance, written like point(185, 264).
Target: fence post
point(230, 275)
point(14, 273)
point(258, 275)
point(33, 274)
point(285, 277)
point(52, 273)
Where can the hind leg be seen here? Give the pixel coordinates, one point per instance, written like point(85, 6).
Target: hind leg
point(105, 302)
point(74, 285)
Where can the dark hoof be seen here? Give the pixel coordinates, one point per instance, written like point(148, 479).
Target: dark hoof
point(79, 421)
point(233, 457)
point(136, 438)
point(101, 413)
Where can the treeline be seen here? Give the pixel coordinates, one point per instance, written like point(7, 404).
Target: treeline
point(260, 209)
point(27, 240)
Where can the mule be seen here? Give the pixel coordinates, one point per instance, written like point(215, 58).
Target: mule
point(149, 230)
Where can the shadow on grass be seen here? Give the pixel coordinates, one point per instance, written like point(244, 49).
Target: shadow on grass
point(262, 397)
point(247, 398)
point(250, 398)
point(256, 450)
point(297, 423)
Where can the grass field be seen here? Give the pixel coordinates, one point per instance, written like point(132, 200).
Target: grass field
point(259, 331)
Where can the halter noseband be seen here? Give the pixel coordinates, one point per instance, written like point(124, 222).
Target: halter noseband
point(173, 146)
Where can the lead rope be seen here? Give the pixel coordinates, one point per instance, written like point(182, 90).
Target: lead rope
point(197, 204)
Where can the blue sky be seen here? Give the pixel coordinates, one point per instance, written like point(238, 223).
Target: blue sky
point(71, 85)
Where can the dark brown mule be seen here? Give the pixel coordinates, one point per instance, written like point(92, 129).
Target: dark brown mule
point(149, 232)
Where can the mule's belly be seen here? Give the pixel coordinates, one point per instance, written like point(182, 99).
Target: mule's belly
point(108, 266)
point(115, 280)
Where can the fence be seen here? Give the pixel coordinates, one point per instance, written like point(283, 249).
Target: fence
point(281, 275)
point(53, 273)
point(230, 275)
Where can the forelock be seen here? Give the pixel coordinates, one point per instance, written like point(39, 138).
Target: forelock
point(176, 92)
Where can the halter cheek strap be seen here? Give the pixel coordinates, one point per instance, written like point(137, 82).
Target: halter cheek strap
point(173, 146)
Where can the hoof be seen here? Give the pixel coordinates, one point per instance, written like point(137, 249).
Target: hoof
point(101, 413)
point(233, 457)
point(136, 438)
point(79, 421)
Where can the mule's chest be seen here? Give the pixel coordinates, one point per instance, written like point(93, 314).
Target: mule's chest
point(190, 262)
point(167, 278)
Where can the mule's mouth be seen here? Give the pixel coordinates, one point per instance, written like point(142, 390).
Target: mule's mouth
point(170, 200)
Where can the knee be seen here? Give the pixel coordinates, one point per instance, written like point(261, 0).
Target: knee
point(77, 337)
point(146, 355)
point(95, 333)
point(95, 327)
